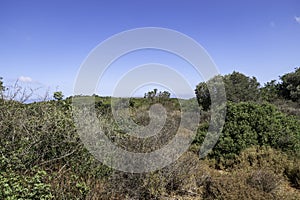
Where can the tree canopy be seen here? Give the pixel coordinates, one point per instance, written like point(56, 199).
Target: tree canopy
point(241, 88)
point(289, 88)
point(238, 87)
point(58, 95)
point(155, 94)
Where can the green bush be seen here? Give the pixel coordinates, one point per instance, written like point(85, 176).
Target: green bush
point(16, 186)
point(249, 124)
point(43, 135)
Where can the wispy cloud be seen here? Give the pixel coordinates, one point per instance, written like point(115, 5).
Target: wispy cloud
point(297, 19)
point(25, 79)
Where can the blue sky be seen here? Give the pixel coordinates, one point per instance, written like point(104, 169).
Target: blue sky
point(43, 43)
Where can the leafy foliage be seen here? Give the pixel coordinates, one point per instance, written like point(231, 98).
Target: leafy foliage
point(154, 94)
point(1, 85)
point(241, 88)
point(238, 87)
point(203, 96)
point(250, 124)
point(58, 95)
point(15, 186)
point(290, 86)
point(270, 91)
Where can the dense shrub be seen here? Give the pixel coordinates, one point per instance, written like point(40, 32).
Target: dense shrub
point(43, 135)
point(18, 186)
point(249, 124)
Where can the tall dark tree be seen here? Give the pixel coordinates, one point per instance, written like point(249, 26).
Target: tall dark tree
point(241, 88)
point(155, 91)
point(2, 88)
point(164, 95)
point(270, 91)
point(154, 94)
point(58, 95)
point(203, 96)
point(238, 88)
point(289, 88)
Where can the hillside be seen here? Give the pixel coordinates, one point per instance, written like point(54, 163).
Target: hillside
point(257, 156)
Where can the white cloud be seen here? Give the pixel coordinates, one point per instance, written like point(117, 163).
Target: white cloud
point(297, 19)
point(25, 79)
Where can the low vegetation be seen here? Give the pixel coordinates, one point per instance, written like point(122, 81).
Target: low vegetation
point(256, 157)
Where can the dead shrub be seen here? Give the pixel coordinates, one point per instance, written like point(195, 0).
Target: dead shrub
point(264, 180)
